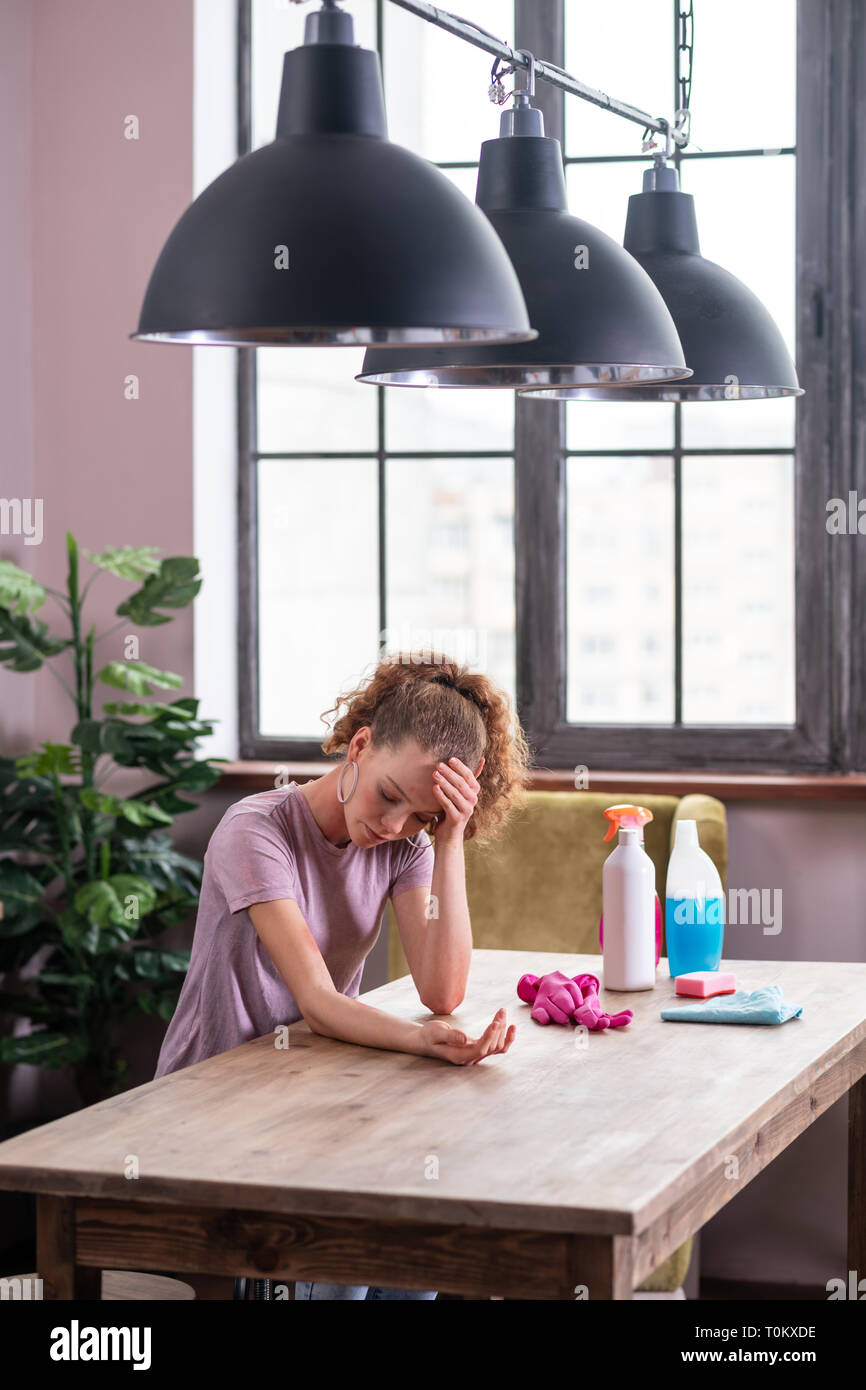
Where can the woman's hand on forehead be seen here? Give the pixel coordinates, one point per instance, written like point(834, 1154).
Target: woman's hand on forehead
point(457, 789)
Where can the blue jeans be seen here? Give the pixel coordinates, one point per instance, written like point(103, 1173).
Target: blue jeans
point(310, 1291)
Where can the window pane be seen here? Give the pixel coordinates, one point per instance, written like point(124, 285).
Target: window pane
point(765, 424)
point(744, 92)
point(450, 560)
point(611, 425)
point(738, 591)
point(448, 418)
point(465, 179)
point(639, 71)
point(436, 84)
point(318, 587)
point(309, 400)
point(277, 26)
point(746, 222)
point(599, 193)
point(619, 590)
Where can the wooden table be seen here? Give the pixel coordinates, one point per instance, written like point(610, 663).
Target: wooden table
point(575, 1160)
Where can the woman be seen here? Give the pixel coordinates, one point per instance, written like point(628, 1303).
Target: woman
point(296, 879)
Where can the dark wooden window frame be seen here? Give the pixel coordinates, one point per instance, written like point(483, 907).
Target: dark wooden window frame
point(830, 458)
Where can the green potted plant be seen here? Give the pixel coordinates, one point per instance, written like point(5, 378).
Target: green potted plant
point(89, 877)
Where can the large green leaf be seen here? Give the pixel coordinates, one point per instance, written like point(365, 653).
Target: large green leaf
point(25, 642)
point(184, 708)
point(137, 676)
point(44, 1049)
point(78, 933)
point(87, 735)
point(60, 759)
point(161, 1001)
point(104, 900)
point(175, 586)
point(134, 562)
point(128, 808)
point(23, 899)
point(18, 589)
point(161, 864)
point(193, 777)
point(154, 964)
point(144, 813)
point(166, 751)
point(72, 981)
point(28, 814)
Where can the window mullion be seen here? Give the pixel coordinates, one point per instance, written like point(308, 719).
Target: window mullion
point(539, 472)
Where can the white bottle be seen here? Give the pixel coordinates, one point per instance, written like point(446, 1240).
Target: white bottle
point(694, 905)
point(628, 903)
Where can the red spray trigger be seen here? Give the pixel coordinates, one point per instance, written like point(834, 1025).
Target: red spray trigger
point(626, 816)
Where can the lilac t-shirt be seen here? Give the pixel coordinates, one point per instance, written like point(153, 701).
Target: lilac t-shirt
point(270, 846)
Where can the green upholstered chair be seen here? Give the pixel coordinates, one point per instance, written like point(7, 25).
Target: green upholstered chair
point(544, 869)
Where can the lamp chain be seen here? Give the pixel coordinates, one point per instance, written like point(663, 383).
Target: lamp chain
point(679, 134)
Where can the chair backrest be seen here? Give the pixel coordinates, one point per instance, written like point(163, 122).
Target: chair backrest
point(538, 886)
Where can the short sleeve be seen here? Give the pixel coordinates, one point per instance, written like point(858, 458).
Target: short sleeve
point(251, 861)
point(415, 868)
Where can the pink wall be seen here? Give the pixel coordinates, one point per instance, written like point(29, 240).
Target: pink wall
point(88, 214)
point(113, 471)
point(16, 344)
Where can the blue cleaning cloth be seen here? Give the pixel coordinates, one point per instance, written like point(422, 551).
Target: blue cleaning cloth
point(746, 1006)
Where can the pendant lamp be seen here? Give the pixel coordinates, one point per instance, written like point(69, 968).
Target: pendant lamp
point(599, 316)
point(331, 234)
point(733, 346)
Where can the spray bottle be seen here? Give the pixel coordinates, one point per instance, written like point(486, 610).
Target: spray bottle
point(636, 817)
point(628, 893)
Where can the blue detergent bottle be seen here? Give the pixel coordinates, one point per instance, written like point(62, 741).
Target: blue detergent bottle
point(694, 905)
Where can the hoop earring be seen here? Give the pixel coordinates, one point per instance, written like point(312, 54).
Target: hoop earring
point(340, 797)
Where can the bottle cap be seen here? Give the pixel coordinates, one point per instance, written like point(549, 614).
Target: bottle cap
point(625, 815)
point(687, 834)
point(629, 835)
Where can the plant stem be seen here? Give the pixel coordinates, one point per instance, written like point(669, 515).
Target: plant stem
point(82, 698)
point(95, 575)
point(63, 830)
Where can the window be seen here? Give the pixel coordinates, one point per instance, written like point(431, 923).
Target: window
point(383, 518)
point(651, 581)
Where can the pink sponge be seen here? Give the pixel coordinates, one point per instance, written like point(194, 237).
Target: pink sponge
point(702, 984)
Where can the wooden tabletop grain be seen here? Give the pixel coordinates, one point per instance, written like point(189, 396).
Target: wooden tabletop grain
point(568, 1131)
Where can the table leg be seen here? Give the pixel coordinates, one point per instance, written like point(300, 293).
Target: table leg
point(55, 1252)
point(602, 1267)
point(857, 1178)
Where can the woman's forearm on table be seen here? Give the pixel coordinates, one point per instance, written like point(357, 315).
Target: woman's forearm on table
point(337, 1016)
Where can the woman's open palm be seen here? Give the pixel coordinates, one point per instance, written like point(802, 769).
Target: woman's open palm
point(454, 1045)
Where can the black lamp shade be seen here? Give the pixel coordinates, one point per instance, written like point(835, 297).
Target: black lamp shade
point(732, 344)
point(332, 235)
point(604, 322)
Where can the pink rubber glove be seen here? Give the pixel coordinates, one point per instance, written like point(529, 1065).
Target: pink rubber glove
point(590, 1013)
point(556, 998)
point(553, 997)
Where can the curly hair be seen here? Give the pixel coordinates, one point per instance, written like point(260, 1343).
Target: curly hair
point(450, 711)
